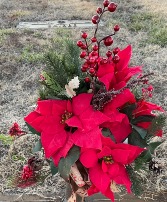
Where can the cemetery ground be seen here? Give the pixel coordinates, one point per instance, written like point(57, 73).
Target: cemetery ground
point(143, 25)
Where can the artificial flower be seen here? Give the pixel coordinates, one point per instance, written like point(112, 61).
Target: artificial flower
point(108, 165)
point(118, 124)
point(115, 76)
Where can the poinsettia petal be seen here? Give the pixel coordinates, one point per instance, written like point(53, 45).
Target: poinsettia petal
point(123, 178)
point(91, 118)
point(63, 151)
point(89, 158)
point(52, 141)
point(106, 151)
point(90, 139)
point(35, 120)
point(106, 79)
point(100, 179)
point(109, 194)
point(81, 102)
point(92, 190)
point(121, 99)
point(131, 153)
point(74, 121)
point(104, 69)
point(125, 56)
point(113, 170)
point(104, 166)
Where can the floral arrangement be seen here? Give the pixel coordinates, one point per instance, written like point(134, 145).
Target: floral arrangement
point(95, 123)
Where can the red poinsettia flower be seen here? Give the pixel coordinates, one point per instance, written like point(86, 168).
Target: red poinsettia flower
point(63, 123)
point(117, 75)
point(145, 108)
point(108, 165)
point(118, 124)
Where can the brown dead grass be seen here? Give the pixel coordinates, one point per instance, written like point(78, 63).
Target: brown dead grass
point(156, 6)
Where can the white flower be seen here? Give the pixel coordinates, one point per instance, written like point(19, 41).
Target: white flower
point(73, 84)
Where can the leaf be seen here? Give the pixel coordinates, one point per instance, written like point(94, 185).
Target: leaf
point(128, 110)
point(32, 130)
point(142, 132)
point(139, 119)
point(53, 168)
point(38, 146)
point(65, 164)
point(106, 132)
point(153, 146)
point(135, 139)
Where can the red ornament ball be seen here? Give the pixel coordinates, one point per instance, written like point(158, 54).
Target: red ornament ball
point(116, 28)
point(108, 41)
point(87, 79)
point(116, 59)
point(99, 10)
point(84, 35)
point(116, 50)
point(95, 19)
point(83, 54)
point(108, 53)
point(106, 3)
point(79, 43)
point(93, 39)
point(112, 7)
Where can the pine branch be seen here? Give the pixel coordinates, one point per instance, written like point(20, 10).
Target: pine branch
point(136, 188)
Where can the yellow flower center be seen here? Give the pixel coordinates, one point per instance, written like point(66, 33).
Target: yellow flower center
point(65, 117)
point(108, 159)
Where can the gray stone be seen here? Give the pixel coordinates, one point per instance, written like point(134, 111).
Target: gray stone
point(56, 24)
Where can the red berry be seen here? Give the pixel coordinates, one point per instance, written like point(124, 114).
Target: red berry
point(108, 41)
point(95, 47)
point(93, 53)
point(84, 35)
point(83, 54)
point(91, 71)
point(116, 50)
point(87, 79)
point(116, 59)
point(112, 7)
point(95, 19)
point(93, 39)
point(116, 28)
point(79, 43)
point(83, 47)
point(106, 3)
point(103, 61)
point(99, 10)
point(92, 60)
point(85, 65)
point(83, 69)
point(109, 53)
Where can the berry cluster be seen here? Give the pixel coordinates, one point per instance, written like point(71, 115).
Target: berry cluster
point(91, 47)
point(15, 130)
point(27, 172)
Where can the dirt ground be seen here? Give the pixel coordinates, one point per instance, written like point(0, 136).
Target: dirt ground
point(142, 24)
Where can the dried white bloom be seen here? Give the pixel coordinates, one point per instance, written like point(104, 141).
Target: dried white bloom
point(73, 84)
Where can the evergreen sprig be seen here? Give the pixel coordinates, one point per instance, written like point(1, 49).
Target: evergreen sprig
point(157, 124)
point(136, 187)
point(60, 68)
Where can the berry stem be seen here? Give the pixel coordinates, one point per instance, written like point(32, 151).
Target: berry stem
point(99, 21)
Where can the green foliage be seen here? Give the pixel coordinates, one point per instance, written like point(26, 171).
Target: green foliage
point(152, 24)
point(60, 68)
point(18, 158)
point(38, 146)
point(136, 180)
point(53, 168)
point(30, 56)
point(142, 132)
point(146, 156)
point(106, 132)
point(135, 138)
point(157, 124)
point(32, 130)
point(65, 164)
point(6, 139)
